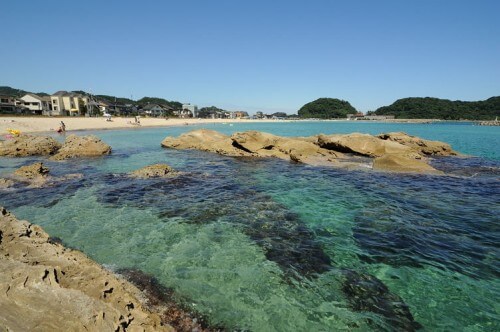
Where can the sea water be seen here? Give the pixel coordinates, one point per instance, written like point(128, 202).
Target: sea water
point(269, 245)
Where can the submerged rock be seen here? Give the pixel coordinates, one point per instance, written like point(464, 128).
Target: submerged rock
point(154, 171)
point(6, 183)
point(82, 146)
point(35, 176)
point(29, 145)
point(284, 238)
point(367, 293)
point(48, 287)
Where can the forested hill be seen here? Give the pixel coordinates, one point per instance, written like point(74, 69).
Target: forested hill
point(435, 108)
point(326, 108)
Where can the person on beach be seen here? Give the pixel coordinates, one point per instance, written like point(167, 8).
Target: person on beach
point(62, 128)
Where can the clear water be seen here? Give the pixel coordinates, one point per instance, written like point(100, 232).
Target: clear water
point(267, 245)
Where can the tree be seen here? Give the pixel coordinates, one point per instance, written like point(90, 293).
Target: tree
point(326, 108)
point(435, 108)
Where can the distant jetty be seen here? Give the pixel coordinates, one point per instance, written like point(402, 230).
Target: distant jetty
point(490, 123)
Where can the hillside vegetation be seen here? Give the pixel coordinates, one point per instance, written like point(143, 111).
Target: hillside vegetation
point(326, 108)
point(435, 108)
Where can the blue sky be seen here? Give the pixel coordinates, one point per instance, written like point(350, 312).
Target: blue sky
point(255, 55)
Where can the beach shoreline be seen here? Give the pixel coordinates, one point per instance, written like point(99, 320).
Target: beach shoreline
point(33, 124)
point(51, 124)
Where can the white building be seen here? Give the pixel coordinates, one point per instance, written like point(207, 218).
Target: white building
point(68, 103)
point(37, 104)
point(189, 110)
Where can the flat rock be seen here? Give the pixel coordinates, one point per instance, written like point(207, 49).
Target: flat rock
point(82, 147)
point(421, 146)
point(46, 287)
point(361, 144)
point(6, 183)
point(154, 171)
point(29, 145)
point(403, 164)
point(255, 141)
point(32, 171)
point(205, 140)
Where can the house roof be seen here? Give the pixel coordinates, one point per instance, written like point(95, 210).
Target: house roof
point(151, 106)
point(63, 93)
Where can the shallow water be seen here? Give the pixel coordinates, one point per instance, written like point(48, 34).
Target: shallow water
point(267, 245)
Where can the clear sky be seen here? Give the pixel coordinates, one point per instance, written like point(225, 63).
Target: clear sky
point(255, 55)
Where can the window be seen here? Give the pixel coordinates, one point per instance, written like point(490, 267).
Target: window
point(54, 101)
point(55, 108)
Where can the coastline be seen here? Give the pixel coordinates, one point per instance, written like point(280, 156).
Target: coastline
point(51, 124)
point(32, 124)
point(75, 292)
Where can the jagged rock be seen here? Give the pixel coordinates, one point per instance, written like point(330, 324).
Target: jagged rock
point(422, 146)
point(82, 146)
point(402, 163)
point(205, 140)
point(154, 171)
point(32, 171)
point(6, 183)
point(46, 287)
point(255, 141)
point(28, 145)
point(362, 144)
point(326, 150)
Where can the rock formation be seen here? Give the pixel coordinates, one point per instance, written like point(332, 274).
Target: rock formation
point(362, 144)
point(205, 140)
point(395, 152)
point(33, 171)
point(154, 171)
point(28, 145)
point(82, 146)
point(47, 287)
point(421, 146)
point(35, 176)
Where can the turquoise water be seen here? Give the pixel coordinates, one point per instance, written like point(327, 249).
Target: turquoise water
point(267, 245)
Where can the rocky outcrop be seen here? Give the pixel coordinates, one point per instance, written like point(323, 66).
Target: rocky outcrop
point(33, 171)
point(154, 171)
point(419, 145)
point(253, 144)
point(82, 146)
point(28, 145)
point(34, 176)
point(394, 152)
point(46, 287)
point(205, 140)
point(403, 163)
point(361, 144)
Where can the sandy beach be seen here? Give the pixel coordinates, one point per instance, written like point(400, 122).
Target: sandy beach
point(48, 124)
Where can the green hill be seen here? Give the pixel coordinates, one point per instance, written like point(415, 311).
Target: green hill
point(435, 108)
point(326, 108)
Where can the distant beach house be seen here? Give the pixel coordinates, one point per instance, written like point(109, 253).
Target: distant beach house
point(155, 110)
point(188, 111)
point(239, 115)
point(37, 104)
point(68, 103)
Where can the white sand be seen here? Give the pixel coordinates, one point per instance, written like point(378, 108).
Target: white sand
point(47, 124)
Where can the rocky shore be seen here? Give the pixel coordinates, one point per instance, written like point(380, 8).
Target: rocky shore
point(51, 288)
point(55, 288)
point(395, 152)
point(47, 287)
